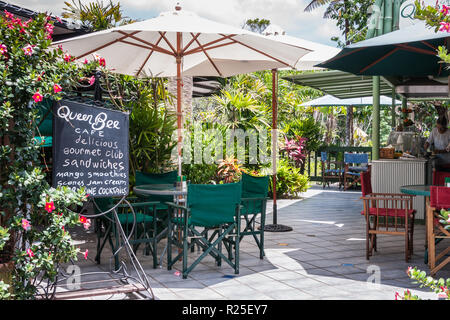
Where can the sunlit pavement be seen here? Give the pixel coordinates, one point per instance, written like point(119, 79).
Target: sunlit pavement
point(322, 258)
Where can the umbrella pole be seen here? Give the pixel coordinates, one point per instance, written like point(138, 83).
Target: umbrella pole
point(179, 114)
point(275, 227)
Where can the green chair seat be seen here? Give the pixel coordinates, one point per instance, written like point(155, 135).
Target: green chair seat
point(127, 218)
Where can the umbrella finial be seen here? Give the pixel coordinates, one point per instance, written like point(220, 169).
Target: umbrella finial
point(178, 7)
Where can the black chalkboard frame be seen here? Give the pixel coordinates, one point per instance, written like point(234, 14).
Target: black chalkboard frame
point(95, 105)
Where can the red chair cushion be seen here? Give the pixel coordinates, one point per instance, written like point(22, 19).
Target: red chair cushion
point(439, 197)
point(390, 212)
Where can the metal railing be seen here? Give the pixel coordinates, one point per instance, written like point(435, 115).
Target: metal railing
point(313, 165)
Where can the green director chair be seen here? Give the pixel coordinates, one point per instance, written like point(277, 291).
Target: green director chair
point(209, 208)
point(254, 200)
point(140, 227)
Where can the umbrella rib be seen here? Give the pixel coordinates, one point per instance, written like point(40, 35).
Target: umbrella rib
point(190, 42)
point(156, 48)
point(126, 35)
point(206, 45)
point(168, 42)
point(259, 51)
point(417, 50)
point(379, 59)
point(148, 57)
point(207, 55)
point(429, 45)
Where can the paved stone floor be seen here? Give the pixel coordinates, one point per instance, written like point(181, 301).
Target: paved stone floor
point(322, 258)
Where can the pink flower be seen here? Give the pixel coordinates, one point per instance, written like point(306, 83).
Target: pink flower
point(49, 206)
point(397, 295)
point(86, 254)
point(49, 28)
point(101, 61)
point(91, 80)
point(87, 224)
point(445, 26)
point(26, 224)
point(86, 61)
point(30, 253)
point(37, 97)
point(28, 50)
point(3, 49)
point(67, 57)
point(444, 9)
point(57, 88)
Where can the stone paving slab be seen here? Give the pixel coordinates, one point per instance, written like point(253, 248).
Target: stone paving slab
point(323, 258)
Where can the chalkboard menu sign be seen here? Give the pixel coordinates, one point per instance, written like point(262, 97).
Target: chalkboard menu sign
point(90, 149)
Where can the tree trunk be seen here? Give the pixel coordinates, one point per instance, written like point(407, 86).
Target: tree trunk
point(349, 126)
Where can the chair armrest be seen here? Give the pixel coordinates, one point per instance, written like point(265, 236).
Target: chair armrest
point(370, 198)
point(176, 206)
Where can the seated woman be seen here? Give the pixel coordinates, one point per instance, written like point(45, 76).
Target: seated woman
point(440, 139)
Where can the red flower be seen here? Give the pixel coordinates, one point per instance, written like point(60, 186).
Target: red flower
point(102, 62)
point(57, 88)
point(37, 97)
point(30, 253)
point(49, 206)
point(83, 219)
point(67, 57)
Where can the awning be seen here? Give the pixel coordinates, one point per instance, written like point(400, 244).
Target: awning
point(340, 84)
point(330, 101)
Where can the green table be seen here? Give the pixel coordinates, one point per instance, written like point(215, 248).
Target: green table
point(416, 190)
point(420, 190)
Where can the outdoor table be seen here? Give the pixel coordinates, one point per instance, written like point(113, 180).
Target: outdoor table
point(179, 196)
point(421, 190)
point(160, 189)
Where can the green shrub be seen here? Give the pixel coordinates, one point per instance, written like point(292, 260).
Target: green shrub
point(290, 181)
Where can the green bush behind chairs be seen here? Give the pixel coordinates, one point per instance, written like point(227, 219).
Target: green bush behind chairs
point(144, 230)
point(254, 200)
point(213, 208)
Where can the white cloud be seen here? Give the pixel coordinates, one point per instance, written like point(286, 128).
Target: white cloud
point(288, 14)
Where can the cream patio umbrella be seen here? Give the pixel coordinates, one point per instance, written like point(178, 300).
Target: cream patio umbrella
point(180, 43)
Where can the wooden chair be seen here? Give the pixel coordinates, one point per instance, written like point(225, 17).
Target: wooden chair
point(331, 170)
point(386, 213)
point(354, 165)
point(439, 199)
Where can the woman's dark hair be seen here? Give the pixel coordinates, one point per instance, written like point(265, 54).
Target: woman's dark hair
point(442, 121)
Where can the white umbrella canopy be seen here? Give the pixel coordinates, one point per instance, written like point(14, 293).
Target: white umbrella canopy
point(319, 52)
point(206, 48)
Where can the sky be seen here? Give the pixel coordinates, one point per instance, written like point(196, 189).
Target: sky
point(288, 14)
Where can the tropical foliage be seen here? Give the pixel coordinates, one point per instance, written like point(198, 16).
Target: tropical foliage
point(33, 215)
point(96, 15)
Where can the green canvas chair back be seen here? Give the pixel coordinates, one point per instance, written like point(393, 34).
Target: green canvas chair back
point(253, 187)
point(213, 204)
point(157, 178)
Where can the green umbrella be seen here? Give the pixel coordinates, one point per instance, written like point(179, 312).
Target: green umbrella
point(406, 52)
